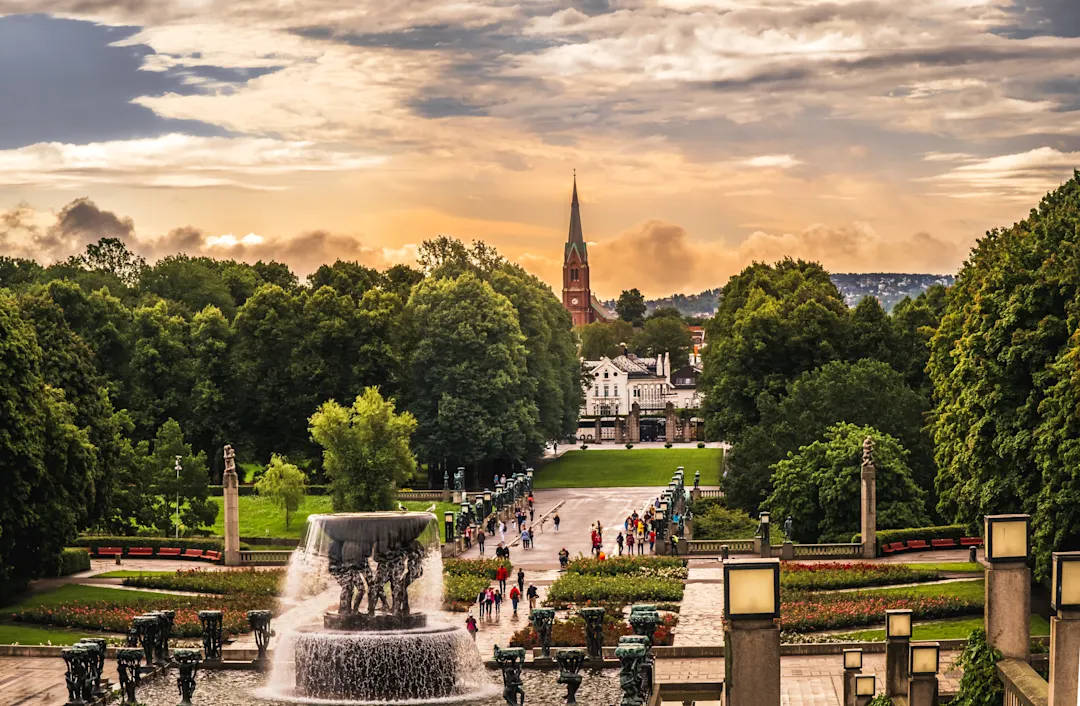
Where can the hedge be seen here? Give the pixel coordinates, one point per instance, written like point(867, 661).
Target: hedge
point(484, 568)
point(245, 490)
point(204, 543)
point(248, 582)
point(924, 533)
point(73, 560)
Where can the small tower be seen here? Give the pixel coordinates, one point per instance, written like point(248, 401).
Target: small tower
point(576, 294)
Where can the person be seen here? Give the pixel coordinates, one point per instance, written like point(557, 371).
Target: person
point(501, 574)
point(556, 519)
point(504, 479)
point(490, 600)
point(600, 531)
point(641, 539)
point(630, 543)
point(532, 595)
point(675, 545)
point(787, 528)
point(491, 524)
point(498, 599)
point(525, 538)
point(595, 543)
point(470, 625)
point(626, 524)
point(515, 596)
point(564, 558)
point(468, 537)
point(495, 480)
point(480, 537)
point(652, 540)
point(532, 513)
point(619, 540)
point(502, 532)
point(530, 500)
point(521, 579)
point(481, 600)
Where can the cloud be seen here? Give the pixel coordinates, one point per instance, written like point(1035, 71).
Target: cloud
point(178, 161)
point(1024, 176)
point(781, 161)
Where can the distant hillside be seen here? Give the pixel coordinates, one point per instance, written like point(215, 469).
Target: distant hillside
point(888, 287)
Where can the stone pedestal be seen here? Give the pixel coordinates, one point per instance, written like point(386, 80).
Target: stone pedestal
point(634, 424)
point(849, 686)
point(896, 667)
point(923, 690)
point(669, 422)
point(869, 509)
point(231, 488)
point(1008, 609)
point(787, 551)
point(752, 663)
point(1064, 657)
point(599, 427)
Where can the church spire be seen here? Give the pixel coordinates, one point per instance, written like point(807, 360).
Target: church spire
point(576, 240)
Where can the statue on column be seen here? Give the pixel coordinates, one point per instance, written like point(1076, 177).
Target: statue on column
point(867, 453)
point(230, 459)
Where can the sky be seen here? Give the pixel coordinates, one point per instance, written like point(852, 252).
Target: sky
point(705, 134)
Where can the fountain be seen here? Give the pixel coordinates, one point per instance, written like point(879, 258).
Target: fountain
point(373, 645)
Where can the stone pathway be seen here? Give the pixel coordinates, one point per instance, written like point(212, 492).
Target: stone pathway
point(38, 681)
point(702, 610)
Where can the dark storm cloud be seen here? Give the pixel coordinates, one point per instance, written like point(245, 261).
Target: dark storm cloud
point(443, 107)
point(80, 223)
point(1043, 18)
point(440, 37)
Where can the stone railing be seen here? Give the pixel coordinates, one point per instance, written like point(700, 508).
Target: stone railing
point(827, 551)
point(420, 495)
point(712, 546)
point(1023, 685)
point(710, 493)
point(267, 558)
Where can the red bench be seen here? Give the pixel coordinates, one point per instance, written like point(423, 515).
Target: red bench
point(168, 551)
point(141, 551)
point(212, 555)
point(971, 541)
point(917, 544)
point(943, 543)
point(893, 548)
point(193, 553)
point(109, 551)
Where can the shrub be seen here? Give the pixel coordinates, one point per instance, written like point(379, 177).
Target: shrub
point(980, 685)
point(247, 582)
point(650, 566)
point(923, 533)
point(667, 445)
point(629, 446)
point(245, 490)
point(713, 520)
point(460, 590)
point(485, 568)
point(701, 444)
point(73, 560)
point(624, 589)
point(830, 577)
point(584, 446)
point(214, 543)
point(828, 611)
point(571, 632)
point(880, 700)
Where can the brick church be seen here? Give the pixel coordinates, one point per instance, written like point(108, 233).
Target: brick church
point(577, 296)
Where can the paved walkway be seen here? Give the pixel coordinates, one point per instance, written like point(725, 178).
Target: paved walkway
point(701, 613)
point(38, 681)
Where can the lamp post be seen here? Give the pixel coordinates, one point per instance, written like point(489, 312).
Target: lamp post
point(178, 469)
point(852, 668)
point(751, 635)
point(924, 663)
point(487, 503)
point(1008, 584)
point(897, 642)
point(448, 519)
point(1064, 627)
point(864, 689)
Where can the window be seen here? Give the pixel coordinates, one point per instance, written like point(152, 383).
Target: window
point(637, 392)
point(605, 373)
point(596, 391)
point(605, 390)
point(616, 391)
point(573, 275)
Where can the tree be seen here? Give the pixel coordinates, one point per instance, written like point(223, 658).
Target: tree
point(194, 282)
point(211, 418)
point(604, 338)
point(284, 484)
point(631, 307)
point(662, 312)
point(17, 272)
point(161, 373)
point(159, 465)
point(666, 335)
point(1003, 363)
point(350, 278)
point(819, 486)
point(915, 321)
point(365, 450)
point(112, 255)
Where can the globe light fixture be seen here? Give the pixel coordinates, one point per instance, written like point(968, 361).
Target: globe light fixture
point(752, 589)
point(1008, 538)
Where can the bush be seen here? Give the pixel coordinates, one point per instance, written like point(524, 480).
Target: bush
point(485, 568)
point(247, 582)
point(701, 444)
point(667, 445)
point(73, 560)
point(584, 446)
point(571, 632)
point(460, 590)
point(245, 490)
point(980, 685)
point(204, 543)
point(629, 446)
point(648, 566)
point(831, 577)
point(713, 520)
point(623, 589)
point(829, 611)
point(923, 533)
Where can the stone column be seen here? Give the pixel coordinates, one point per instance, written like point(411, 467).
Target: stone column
point(1008, 609)
point(752, 663)
point(599, 430)
point(634, 432)
point(669, 416)
point(231, 489)
point(923, 690)
point(1064, 656)
point(869, 501)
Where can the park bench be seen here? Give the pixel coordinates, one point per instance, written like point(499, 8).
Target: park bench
point(917, 544)
point(943, 543)
point(141, 551)
point(109, 551)
point(212, 555)
point(193, 553)
point(971, 541)
point(168, 551)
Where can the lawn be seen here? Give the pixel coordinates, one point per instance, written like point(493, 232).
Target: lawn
point(74, 592)
point(33, 635)
point(954, 589)
point(130, 574)
point(628, 468)
point(440, 508)
point(945, 630)
point(259, 517)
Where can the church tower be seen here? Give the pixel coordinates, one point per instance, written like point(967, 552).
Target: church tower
point(576, 294)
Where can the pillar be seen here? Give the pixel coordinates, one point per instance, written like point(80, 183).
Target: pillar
point(1008, 609)
point(634, 432)
point(669, 423)
point(923, 690)
point(869, 501)
point(752, 659)
point(231, 490)
point(849, 686)
point(896, 667)
point(599, 430)
point(1064, 656)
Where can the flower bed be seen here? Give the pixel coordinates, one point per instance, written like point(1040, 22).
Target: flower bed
point(571, 632)
point(115, 616)
point(832, 576)
point(829, 611)
point(460, 590)
point(669, 567)
point(622, 589)
point(474, 567)
point(247, 582)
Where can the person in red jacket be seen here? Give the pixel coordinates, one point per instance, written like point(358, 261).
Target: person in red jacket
point(515, 596)
point(501, 574)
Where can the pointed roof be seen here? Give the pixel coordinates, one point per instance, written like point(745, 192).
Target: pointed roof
point(576, 240)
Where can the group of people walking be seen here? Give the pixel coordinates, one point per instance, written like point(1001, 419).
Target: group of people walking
point(489, 601)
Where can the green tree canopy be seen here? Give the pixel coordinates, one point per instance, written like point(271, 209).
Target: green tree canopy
point(284, 484)
point(158, 461)
point(604, 338)
point(631, 307)
point(665, 334)
point(819, 486)
point(366, 451)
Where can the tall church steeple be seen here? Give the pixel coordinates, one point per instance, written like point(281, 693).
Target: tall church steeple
point(577, 296)
point(576, 240)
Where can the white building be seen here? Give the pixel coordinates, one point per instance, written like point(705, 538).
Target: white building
point(617, 383)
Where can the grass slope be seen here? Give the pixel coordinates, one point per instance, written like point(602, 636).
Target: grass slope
point(963, 567)
point(20, 634)
point(124, 574)
point(628, 468)
point(75, 592)
point(960, 589)
point(958, 629)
